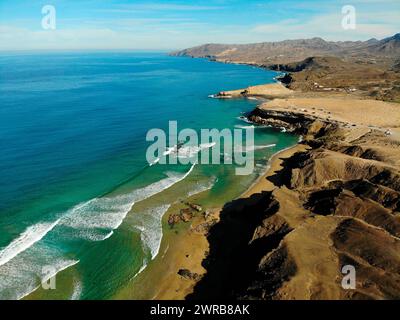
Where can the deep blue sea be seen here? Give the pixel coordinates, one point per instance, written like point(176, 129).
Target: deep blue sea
point(73, 166)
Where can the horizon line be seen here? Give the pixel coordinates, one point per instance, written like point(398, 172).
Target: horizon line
point(186, 47)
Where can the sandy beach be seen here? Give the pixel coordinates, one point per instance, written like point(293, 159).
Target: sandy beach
point(183, 248)
point(200, 153)
point(273, 90)
point(345, 109)
point(187, 248)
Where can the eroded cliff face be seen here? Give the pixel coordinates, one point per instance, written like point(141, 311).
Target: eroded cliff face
point(335, 204)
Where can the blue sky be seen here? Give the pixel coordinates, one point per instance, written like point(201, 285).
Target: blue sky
point(160, 24)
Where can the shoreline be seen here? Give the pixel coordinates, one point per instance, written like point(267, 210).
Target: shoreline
point(271, 161)
point(184, 248)
point(305, 234)
point(312, 119)
point(180, 287)
point(337, 132)
point(190, 238)
point(163, 252)
point(177, 286)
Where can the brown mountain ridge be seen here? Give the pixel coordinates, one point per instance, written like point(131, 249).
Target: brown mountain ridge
point(363, 68)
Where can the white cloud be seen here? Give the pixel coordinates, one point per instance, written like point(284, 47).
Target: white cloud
point(173, 32)
point(159, 37)
point(329, 27)
point(161, 7)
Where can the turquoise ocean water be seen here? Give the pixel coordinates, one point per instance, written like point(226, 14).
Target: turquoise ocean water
point(73, 166)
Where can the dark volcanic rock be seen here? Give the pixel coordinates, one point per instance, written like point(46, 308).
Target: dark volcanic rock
point(234, 256)
point(187, 274)
point(195, 207)
point(291, 121)
point(349, 199)
point(186, 215)
point(173, 219)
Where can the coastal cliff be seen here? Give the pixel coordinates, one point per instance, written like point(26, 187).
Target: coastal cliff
point(331, 201)
point(360, 68)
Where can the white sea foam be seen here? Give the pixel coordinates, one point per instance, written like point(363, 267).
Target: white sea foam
point(24, 274)
point(58, 266)
point(191, 151)
point(157, 160)
point(170, 150)
point(253, 148)
point(201, 187)
point(26, 239)
point(243, 118)
point(186, 151)
point(144, 265)
point(226, 157)
point(258, 126)
point(76, 294)
point(264, 146)
point(244, 127)
point(151, 234)
point(22, 260)
point(96, 219)
point(159, 186)
point(108, 235)
point(149, 223)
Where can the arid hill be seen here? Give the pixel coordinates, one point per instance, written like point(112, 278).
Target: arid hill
point(363, 68)
point(333, 202)
point(332, 74)
point(396, 66)
point(288, 51)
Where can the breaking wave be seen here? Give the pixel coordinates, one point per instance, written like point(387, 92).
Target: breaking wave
point(27, 239)
point(21, 261)
point(253, 148)
point(201, 187)
point(151, 228)
point(24, 274)
point(96, 219)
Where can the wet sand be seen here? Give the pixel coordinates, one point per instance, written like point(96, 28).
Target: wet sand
point(184, 248)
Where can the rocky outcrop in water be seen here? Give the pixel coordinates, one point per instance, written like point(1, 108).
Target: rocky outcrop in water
point(291, 121)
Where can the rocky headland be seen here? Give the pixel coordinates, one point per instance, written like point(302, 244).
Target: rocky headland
point(333, 200)
point(360, 68)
